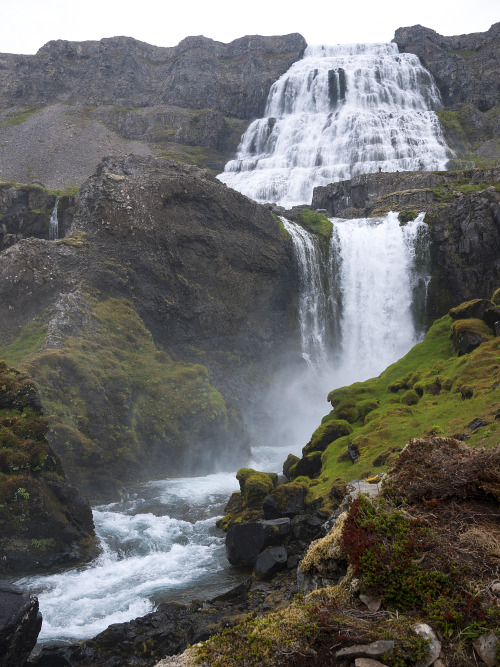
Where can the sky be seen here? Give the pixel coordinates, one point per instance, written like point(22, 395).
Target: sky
point(26, 27)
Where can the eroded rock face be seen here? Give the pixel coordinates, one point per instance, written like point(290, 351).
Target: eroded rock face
point(465, 67)
point(44, 521)
point(197, 73)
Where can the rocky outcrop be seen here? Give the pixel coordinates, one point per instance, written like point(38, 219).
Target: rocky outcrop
point(463, 214)
point(161, 259)
point(466, 69)
point(20, 623)
point(198, 73)
point(43, 520)
point(65, 108)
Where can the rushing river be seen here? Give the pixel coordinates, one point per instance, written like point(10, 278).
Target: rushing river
point(159, 542)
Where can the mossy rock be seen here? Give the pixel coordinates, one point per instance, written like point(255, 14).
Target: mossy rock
point(284, 493)
point(410, 397)
point(315, 222)
point(495, 299)
point(365, 407)
point(309, 465)
point(291, 460)
point(255, 485)
point(470, 309)
point(336, 396)
point(347, 411)
point(338, 489)
point(468, 334)
point(405, 217)
point(327, 433)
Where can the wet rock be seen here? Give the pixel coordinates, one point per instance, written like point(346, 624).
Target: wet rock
point(491, 316)
point(306, 527)
point(486, 647)
point(373, 650)
point(20, 623)
point(245, 541)
point(269, 562)
point(425, 631)
point(234, 593)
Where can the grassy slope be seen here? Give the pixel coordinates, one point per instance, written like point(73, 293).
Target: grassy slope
point(433, 369)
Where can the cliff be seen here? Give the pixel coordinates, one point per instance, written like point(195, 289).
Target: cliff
point(167, 286)
point(75, 102)
point(466, 69)
point(44, 521)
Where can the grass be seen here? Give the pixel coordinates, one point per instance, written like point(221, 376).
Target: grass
point(20, 116)
point(451, 392)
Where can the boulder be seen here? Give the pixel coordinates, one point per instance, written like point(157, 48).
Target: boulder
point(486, 647)
point(245, 541)
point(467, 334)
point(473, 308)
point(290, 461)
point(269, 562)
point(308, 466)
point(20, 623)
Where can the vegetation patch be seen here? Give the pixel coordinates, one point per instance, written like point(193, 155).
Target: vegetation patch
point(315, 222)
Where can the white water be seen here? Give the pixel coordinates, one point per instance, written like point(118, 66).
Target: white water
point(378, 271)
point(54, 224)
point(340, 111)
point(159, 542)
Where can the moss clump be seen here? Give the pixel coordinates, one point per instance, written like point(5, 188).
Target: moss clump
point(315, 222)
point(496, 297)
point(469, 309)
point(285, 492)
point(405, 217)
point(255, 486)
point(410, 397)
point(347, 411)
point(467, 334)
point(327, 433)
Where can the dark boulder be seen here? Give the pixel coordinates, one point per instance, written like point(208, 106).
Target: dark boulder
point(306, 527)
point(20, 623)
point(290, 461)
point(269, 562)
point(309, 465)
point(245, 541)
point(474, 308)
point(491, 315)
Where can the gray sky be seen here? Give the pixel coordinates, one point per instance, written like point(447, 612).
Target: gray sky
point(27, 25)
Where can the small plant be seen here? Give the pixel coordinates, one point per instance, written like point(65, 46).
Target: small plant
point(21, 494)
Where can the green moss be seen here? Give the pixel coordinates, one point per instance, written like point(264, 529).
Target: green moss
point(315, 222)
point(405, 217)
point(327, 433)
point(112, 397)
point(496, 297)
point(470, 326)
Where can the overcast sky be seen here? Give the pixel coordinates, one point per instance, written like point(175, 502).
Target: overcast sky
point(25, 26)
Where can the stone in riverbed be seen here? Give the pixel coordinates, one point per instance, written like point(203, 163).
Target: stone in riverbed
point(20, 623)
point(269, 562)
point(245, 541)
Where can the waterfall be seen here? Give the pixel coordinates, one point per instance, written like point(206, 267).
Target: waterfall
point(54, 223)
point(340, 111)
point(381, 271)
point(312, 297)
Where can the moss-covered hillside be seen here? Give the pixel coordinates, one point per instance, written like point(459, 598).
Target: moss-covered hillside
point(43, 520)
point(117, 407)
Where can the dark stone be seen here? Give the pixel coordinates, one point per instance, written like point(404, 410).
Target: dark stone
point(293, 561)
point(271, 509)
point(306, 527)
point(475, 308)
point(245, 541)
point(233, 593)
point(353, 452)
point(477, 423)
point(491, 315)
point(309, 465)
point(20, 623)
point(271, 561)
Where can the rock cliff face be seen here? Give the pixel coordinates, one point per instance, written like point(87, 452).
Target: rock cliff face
point(161, 262)
point(44, 521)
point(75, 102)
point(466, 69)
point(463, 214)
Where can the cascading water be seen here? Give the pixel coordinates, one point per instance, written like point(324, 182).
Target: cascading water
point(313, 300)
point(54, 224)
point(340, 111)
point(380, 267)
